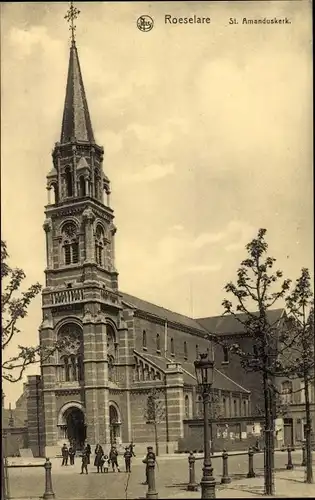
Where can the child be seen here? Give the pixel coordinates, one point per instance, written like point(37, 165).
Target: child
point(127, 457)
point(113, 454)
point(104, 463)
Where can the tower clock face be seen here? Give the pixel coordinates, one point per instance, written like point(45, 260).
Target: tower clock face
point(69, 230)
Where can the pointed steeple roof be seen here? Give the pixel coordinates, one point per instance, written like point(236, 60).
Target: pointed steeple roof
point(76, 122)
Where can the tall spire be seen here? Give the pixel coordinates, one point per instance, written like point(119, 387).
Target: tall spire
point(76, 122)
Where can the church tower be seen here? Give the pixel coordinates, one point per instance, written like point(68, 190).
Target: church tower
point(80, 302)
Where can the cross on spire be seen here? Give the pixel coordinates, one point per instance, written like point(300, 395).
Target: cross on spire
point(70, 17)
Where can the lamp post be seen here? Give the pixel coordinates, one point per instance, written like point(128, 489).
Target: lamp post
point(204, 368)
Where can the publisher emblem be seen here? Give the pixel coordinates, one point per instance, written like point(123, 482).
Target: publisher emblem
point(145, 23)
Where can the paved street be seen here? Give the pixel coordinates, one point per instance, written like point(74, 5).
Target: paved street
point(171, 477)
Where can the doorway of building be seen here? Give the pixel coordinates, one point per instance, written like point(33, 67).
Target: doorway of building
point(114, 425)
point(76, 428)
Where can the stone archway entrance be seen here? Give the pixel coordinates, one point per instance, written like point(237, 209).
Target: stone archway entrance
point(72, 425)
point(114, 425)
point(76, 429)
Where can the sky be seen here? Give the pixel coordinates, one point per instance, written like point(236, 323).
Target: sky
point(207, 131)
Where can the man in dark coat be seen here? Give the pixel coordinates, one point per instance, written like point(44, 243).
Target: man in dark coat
point(98, 457)
point(113, 454)
point(71, 454)
point(150, 454)
point(65, 454)
point(85, 462)
point(127, 457)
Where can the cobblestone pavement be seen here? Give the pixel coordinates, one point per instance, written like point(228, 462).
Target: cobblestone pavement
point(171, 478)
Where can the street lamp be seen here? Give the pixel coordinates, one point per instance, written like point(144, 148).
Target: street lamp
point(204, 368)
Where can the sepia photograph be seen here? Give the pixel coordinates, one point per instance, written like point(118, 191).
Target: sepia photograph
point(157, 250)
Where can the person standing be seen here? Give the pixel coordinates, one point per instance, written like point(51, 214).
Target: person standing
point(98, 457)
point(85, 462)
point(88, 452)
point(131, 447)
point(127, 457)
point(113, 454)
point(65, 454)
point(150, 454)
point(71, 455)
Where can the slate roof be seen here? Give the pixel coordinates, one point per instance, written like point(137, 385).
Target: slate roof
point(161, 312)
point(76, 122)
point(227, 325)
point(221, 381)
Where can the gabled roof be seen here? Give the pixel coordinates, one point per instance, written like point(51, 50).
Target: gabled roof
point(228, 324)
point(161, 312)
point(76, 122)
point(221, 381)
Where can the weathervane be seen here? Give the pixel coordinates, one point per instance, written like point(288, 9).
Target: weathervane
point(70, 17)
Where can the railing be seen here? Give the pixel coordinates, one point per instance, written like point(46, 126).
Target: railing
point(66, 296)
point(48, 493)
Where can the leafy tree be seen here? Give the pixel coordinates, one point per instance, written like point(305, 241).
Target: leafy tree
point(14, 307)
point(155, 413)
point(259, 287)
point(297, 360)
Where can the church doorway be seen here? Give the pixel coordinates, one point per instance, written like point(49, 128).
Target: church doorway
point(114, 425)
point(75, 427)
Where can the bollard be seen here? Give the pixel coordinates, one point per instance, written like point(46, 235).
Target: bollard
point(192, 485)
point(289, 464)
point(303, 464)
point(225, 479)
point(48, 482)
point(251, 472)
point(151, 494)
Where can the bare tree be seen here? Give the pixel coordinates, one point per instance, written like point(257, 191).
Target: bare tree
point(297, 360)
point(155, 413)
point(14, 307)
point(258, 287)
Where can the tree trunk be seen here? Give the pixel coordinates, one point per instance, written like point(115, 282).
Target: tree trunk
point(309, 468)
point(156, 440)
point(268, 435)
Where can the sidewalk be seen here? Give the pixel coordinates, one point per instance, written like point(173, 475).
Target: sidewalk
point(288, 484)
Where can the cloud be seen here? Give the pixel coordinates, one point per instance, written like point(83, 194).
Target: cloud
point(151, 173)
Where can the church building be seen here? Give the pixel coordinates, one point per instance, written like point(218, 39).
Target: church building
point(118, 347)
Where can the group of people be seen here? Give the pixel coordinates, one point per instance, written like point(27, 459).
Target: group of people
point(102, 461)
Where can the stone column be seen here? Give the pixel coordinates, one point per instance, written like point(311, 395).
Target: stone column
point(89, 219)
point(175, 401)
point(90, 376)
point(49, 243)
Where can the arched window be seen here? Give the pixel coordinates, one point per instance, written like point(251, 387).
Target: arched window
point(158, 343)
point(172, 347)
point(71, 352)
point(144, 339)
point(111, 368)
point(99, 245)
point(80, 368)
point(244, 408)
point(225, 354)
point(224, 407)
point(82, 190)
point(151, 408)
point(158, 376)
point(286, 392)
point(70, 244)
point(55, 192)
point(185, 350)
point(199, 406)
point(235, 408)
point(186, 406)
point(97, 182)
point(69, 182)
